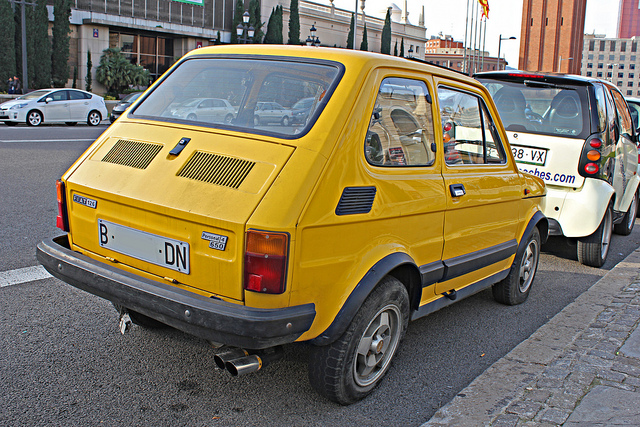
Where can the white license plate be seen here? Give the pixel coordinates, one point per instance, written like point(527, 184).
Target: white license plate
point(152, 248)
point(529, 155)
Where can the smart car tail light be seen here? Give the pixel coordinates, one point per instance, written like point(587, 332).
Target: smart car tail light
point(265, 261)
point(62, 221)
point(590, 158)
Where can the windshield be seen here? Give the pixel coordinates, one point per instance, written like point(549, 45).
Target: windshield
point(254, 94)
point(35, 94)
point(537, 107)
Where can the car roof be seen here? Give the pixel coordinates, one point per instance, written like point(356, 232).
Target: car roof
point(557, 78)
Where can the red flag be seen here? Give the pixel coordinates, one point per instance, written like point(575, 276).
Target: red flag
point(485, 8)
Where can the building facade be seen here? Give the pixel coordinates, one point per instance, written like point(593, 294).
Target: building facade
point(156, 33)
point(613, 59)
point(629, 19)
point(443, 50)
point(552, 35)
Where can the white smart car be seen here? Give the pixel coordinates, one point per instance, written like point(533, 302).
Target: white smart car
point(575, 133)
point(68, 106)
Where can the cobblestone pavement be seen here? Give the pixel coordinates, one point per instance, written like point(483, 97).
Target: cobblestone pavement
point(581, 368)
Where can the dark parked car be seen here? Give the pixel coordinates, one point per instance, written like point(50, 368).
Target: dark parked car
point(123, 105)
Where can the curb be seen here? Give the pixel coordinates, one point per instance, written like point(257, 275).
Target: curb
point(482, 401)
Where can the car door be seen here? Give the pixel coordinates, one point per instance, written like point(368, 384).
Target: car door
point(625, 135)
point(78, 106)
point(57, 108)
point(483, 190)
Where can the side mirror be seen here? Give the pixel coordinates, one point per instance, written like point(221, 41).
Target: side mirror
point(48, 100)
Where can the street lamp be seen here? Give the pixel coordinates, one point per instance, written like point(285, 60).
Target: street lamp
point(500, 45)
point(312, 40)
point(560, 62)
point(410, 52)
point(244, 31)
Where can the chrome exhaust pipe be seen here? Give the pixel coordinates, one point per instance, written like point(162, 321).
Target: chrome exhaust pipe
point(225, 354)
point(253, 362)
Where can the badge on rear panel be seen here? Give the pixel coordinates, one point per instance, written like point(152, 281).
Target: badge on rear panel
point(85, 201)
point(216, 241)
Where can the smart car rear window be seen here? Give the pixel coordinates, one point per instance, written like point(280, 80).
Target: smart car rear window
point(251, 94)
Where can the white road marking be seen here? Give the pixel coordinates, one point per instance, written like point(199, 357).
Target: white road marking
point(23, 275)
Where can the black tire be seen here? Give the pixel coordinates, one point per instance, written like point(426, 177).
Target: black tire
point(70, 123)
point(256, 120)
point(285, 121)
point(192, 117)
point(94, 118)
point(11, 123)
point(593, 249)
point(141, 319)
point(629, 219)
point(515, 288)
point(34, 118)
point(348, 369)
point(228, 118)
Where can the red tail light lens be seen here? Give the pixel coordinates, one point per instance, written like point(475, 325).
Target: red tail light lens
point(265, 261)
point(62, 222)
point(595, 143)
point(591, 168)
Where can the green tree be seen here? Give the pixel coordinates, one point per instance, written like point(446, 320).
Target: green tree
point(116, 73)
point(365, 44)
point(237, 20)
point(294, 23)
point(7, 46)
point(88, 80)
point(41, 64)
point(395, 49)
point(271, 27)
point(255, 20)
point(350, 35)
point(402, 47)
point(60, 42)
point(386, 34)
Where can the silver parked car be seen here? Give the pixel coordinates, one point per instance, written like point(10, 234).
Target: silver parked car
point(212, 110)
point(69, 106)
point(271, 112)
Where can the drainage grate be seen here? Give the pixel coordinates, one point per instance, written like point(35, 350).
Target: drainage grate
point(217, 169)
point(132, 153)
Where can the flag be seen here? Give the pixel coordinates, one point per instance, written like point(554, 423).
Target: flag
point(485, 8)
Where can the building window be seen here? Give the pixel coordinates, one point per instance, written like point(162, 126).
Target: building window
point(629, 92)
point(629, 84)
point(621, 57)
point(620, 75)
point(592, 45)
point(619, 83)
point(600, 57)
point(601, 44)
point(612, 57)
point(609, 74)
point(623, 46)
point(632, 66)
point(600, 64)
point(621, 67)
point(152, 52)
point(609, 66)
point(633, 58)
point(590, 56)
point(612, 47)
point(631, 75)
point(634, 46)
point(599, 74)
point(589, 73)
point(589, 65)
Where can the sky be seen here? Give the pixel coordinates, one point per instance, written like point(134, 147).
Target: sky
point(448, 17)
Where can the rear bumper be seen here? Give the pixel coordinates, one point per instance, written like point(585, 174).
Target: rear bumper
point(211, 319)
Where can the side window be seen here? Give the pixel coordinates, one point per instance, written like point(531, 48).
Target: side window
point(468, 132)
point(611, 117)
point(624, 119)
point(401, 128)
point(74, 95)
point(602, 109)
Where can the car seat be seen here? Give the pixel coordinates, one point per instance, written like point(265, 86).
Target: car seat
point(565, 114)
point(511, 105)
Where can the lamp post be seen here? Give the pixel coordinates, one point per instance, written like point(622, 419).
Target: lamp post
point(410, 52)
point(244, 31)
point(560, 62)
point(312, 40)
point(500, 45)
point(23, 25)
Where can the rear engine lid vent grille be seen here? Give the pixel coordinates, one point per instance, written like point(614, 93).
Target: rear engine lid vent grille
point(356, 200)
point(132, 153)
point(216, 169)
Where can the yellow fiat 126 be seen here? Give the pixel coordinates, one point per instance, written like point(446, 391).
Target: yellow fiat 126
point(222, 205)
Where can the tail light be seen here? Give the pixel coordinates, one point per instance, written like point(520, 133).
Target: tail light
point(591, 158)
point(265, 261)
point(62, 220)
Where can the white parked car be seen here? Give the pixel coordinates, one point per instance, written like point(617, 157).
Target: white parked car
point(213, 110)
point(577, 134)
point(68, 106)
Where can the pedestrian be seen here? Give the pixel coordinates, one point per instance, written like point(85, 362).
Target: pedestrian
point(10, 86)
point(17, 87)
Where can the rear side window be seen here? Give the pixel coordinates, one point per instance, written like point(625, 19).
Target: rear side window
point(624, 118)
point(601, 103)
point(401, 128)
point(469, 135)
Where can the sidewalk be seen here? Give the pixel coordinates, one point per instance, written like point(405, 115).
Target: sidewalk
point(581, 368)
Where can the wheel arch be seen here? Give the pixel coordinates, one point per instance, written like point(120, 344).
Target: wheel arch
point(399, 265)
point(537, 220)
point(35, 109)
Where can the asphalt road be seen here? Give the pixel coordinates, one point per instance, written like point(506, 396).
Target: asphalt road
point(64, 362)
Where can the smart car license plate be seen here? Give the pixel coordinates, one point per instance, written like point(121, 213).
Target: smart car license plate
point(529, 155)
point(152, 248)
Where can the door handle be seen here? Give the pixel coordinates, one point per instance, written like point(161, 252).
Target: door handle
point(457, 190)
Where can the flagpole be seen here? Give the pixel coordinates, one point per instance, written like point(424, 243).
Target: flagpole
point(466, 28)
point(484, 43)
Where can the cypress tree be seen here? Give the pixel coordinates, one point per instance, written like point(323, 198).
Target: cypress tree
point(88, 80)
point(75, 77)
point(365, 44)
point(237, 20)
point(255, 20)
point(279, 36)
point(402, 47)
point(294, 23)
point(395, 49)
point(41, 65)
point(271, 28)
point(60, 44)
point(7, 47)
point(386, 34)
point(350, 35)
